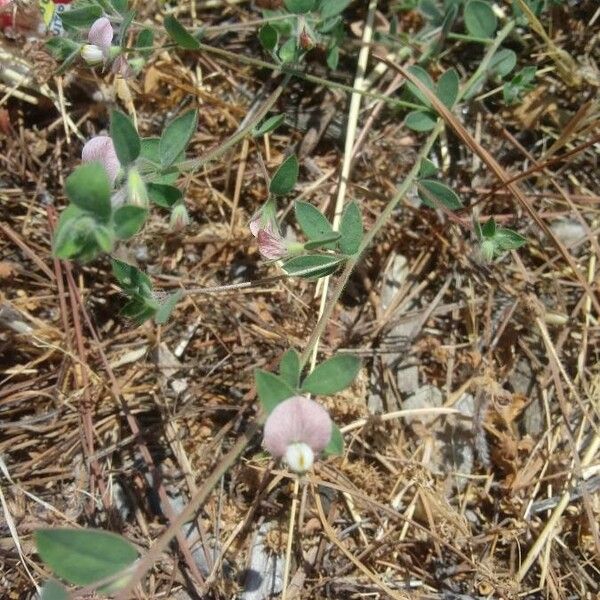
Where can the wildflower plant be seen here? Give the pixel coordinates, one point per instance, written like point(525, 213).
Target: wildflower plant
point(301, 26)
point(495, 241)
point(97, 33)
point(123, 177)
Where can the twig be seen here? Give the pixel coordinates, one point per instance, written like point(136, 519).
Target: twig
point(355, 99)
point(288, 547)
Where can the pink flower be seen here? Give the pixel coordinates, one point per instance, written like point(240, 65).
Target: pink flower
point(263, 226)
point(100, 38)
point(296, 430)
point(101, 34)
point(101, 148)
point(271, 245)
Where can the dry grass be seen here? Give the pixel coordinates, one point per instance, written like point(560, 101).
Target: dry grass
point(103, 424)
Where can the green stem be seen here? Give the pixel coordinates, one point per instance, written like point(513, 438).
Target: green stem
point(470, 88)
point(263, 64)
point(468, 38)
point(384, 216)
point(368, 238)
point(192, 165)
point(291, 71)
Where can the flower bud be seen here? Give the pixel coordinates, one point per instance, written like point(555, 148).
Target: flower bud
point(180, 218)
point(137, 195)
point(92, 54)
point(487, 250)
point(136, 64)
point(305, 41)
point(264, 218)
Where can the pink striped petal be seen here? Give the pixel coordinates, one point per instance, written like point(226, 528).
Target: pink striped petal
point(102, 149)
point(297, 420)
point(271, 245)
point(101, 33)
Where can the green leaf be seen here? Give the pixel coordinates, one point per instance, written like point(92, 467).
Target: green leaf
point(271, 389)
point(519, 84)
point(312, 221)
point(81, 18)
point(507, 239)
point(62, 48)
point(179, 34)
point(333, 57)
point(427, 168)
point(125, 25)
point(351, 229)
point(503, 62)
point(128, 220)
point(164, 195)
point(166, 308)
point(430, 10)
point(150, 149)
point(332, 376)
point(326, 242)
point(300, 6)
point(52, 590)
point(332, 8)
point(145, 39)
point(489, 229)
point(124, 137)
point(477, 227)
point(419, 120)
point(285, 177)
point(84, 556)
point(88, 187)
point(433, 193)
point(67, 242)
point(283, 26)
point(268, 125)
point(312, 266)
point(131, 279)
point(480, 19)
point(150, 152)
point(422, 75)
point(139, 309)
point(120, 5)
point(334, 28)
point(447, 88)
point(289, 368)
point(104, 238)
point(176, 137)
point(288, 53)
point(335, 447)
point(268, 37)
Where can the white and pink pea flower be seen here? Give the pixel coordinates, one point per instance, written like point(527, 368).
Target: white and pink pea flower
point(271, 244)
point(263, 226)
point(101, 149)
point(297, 430)
point(100, 38)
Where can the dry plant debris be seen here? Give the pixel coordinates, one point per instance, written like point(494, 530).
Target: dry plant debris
point(106, 424)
